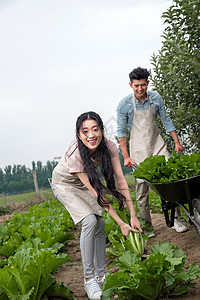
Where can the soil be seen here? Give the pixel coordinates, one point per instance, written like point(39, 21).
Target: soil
point(72, 273)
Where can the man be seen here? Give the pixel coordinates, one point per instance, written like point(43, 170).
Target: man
point(139, 111)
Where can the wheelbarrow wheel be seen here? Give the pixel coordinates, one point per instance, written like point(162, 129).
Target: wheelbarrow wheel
point(192, 219)
point(197, 227)
point(196, 204)
point(197, 220)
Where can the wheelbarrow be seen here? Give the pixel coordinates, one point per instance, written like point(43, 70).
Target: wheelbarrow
point(184, 193)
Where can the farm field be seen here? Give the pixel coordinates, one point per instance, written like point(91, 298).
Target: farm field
point(71, 273)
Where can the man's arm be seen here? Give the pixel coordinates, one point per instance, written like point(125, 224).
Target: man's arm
point(122, 121)
point(127, 159)
point(178, 146)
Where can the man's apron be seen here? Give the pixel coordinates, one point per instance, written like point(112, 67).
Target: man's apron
point(145, 140)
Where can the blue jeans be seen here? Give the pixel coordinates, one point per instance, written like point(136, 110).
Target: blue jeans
point(93, 246)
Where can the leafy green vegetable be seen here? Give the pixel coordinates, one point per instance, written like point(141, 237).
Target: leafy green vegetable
point(155, 168)
point(160, 273)
point(60, 290)
point(3, 262)
point(31, 241)
point(117, 241)
point(41, 221)
point(29, 273)
point(137, 242)
point(154, 202)
point(119, 244)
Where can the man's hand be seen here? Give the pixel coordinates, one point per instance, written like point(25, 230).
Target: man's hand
point(127, 162)
point(179, 147)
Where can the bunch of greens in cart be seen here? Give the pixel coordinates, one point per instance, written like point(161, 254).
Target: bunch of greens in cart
point(157, 169)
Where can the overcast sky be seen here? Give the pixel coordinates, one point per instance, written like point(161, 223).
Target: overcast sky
point(60, 58)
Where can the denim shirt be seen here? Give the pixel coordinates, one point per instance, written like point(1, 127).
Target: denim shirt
point(125, 112)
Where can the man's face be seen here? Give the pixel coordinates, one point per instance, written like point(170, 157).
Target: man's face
point(139, 87)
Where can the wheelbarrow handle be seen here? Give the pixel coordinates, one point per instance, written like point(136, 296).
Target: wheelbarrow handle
point(133, 166)
point(180, 151)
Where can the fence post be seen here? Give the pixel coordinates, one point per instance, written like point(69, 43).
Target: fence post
point(35, 183)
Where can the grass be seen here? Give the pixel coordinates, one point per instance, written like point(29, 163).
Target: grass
point(9, 203)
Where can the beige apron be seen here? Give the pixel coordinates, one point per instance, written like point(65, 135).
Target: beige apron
point(73, 194)
point(145, 140)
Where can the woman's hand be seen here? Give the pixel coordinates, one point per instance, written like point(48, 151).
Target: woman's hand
point(135, 223)
point(125, 229)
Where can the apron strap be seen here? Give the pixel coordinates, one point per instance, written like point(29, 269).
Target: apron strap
point(134, 106)
point(151, 103)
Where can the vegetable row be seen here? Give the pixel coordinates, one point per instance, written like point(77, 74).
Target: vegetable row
point(144, 273)
point(29, 245)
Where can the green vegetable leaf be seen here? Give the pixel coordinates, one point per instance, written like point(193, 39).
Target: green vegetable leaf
point(60, 290)
point(155, 168)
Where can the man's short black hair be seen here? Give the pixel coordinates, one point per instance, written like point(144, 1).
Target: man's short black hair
point(139, 73)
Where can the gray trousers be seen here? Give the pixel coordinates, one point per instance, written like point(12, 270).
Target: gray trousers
point(93, 246)
point(142, 197)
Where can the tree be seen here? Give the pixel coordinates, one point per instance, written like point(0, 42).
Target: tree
point(8, 174)
point(1, 175)
point(19, 178)
point(39, 166)
point(33, 165)
point(177, 71)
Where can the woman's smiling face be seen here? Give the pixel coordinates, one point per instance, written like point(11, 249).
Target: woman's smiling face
point(90, 134)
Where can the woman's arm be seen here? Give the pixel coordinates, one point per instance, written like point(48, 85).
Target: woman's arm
point(85, 180)
point(124, 190)
point(125, 228)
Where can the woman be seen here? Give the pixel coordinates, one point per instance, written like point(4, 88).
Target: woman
point(78, 186)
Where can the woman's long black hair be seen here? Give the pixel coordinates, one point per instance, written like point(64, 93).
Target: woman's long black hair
point(105, 163)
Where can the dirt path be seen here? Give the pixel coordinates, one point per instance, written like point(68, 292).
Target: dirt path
point(72, 273)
